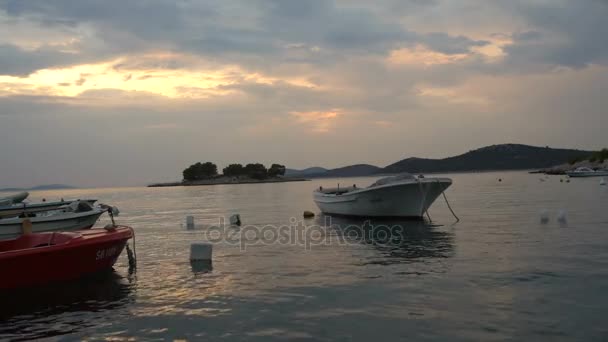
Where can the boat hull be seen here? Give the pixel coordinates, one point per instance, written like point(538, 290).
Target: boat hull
point(410, 199)
point(12, 228)
point(93, 251)
point(587, 174)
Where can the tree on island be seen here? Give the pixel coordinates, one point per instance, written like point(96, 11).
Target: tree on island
point(200, 171)
point(234, 170)
point(276, 170)
point(256, 171)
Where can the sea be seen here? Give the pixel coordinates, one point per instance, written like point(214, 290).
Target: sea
point(528, 260)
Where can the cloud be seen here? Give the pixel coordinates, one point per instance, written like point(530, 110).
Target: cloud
point(561, 33)
point(299, 82)
point(20, 62)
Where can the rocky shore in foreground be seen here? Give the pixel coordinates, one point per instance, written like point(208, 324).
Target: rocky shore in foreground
point(229, 180)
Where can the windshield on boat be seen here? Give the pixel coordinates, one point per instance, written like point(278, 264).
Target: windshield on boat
point(393, 179)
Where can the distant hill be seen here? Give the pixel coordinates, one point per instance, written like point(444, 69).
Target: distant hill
point(316, 170)
point(41, 187)
point(495, 157)
point(357, 170)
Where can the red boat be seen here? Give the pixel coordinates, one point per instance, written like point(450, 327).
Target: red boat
point(40, 258)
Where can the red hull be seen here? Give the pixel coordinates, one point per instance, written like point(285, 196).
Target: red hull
point(29, 260)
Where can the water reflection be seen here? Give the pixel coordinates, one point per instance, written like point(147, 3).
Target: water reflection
point(28, 312)
point(398, 241)
point(201, 266)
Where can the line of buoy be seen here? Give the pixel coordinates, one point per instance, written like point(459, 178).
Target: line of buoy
point(235, 220)
point(189, 222)
point(201, 251)
point(309, 214)
point(544, 217)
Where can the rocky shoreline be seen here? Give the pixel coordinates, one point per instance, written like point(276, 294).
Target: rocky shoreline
point(228, 180)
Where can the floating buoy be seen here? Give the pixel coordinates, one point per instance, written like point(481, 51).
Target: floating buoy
point(500, 179)
point(541, 179)
point(189, 222)
point(235, 220)
point(309, 214)
point(201, 251)
point(561, 180)
point(561, 217)
point(567, 180)
point(544, 217)
point(602, 181)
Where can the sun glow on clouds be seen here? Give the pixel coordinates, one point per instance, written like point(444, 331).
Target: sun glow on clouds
point(454, 95)
point(319, 121)
point(420, 55)
point(152, 74)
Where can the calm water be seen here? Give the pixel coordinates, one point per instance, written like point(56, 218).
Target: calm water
point(497, 274)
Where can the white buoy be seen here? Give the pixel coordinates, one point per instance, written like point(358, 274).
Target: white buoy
point(561, 217)
point(189, 222)
point(544, 217)
point(602, 181)
point(235, 220)
point(201, 251)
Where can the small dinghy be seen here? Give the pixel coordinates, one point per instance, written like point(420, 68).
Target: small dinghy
point(40, 258)
point(404, 195)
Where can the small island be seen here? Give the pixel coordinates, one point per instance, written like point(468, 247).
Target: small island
point(206, 174)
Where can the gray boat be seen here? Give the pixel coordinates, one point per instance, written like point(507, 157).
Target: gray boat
point(28, 209)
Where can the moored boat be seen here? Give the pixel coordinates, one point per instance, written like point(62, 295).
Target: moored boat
point(78, 216)
point(587, 172)
point(14, 199)
point(398, 196)
point(26, 209)
point(40, 258)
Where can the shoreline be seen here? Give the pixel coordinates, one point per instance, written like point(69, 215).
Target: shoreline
point(224, 181)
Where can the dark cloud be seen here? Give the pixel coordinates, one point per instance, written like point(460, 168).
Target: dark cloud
point(19, 62)
point(248, 33)
point(564, 33)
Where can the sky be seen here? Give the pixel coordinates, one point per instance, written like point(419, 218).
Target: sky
point(118, 93)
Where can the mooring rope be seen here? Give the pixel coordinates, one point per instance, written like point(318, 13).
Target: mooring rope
point(449, 207)
point(132, 255)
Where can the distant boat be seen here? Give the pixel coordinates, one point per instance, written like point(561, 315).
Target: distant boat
point(14, 199)
point(40, 258)
point(587, 172)
point(27, 209)
point(77, 216)
point(398, 196)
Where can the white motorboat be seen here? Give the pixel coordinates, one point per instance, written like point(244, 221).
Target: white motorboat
point(25, 209)
point(77, 216)
point(14, 199)
point(587, 172)
point(398, 196)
